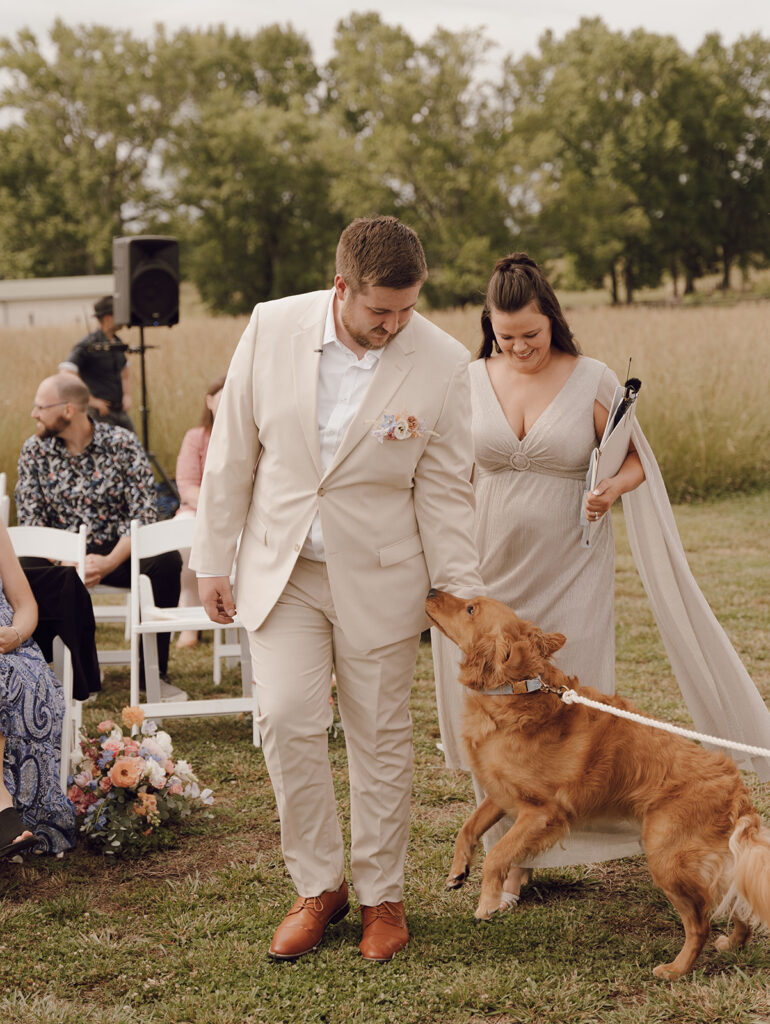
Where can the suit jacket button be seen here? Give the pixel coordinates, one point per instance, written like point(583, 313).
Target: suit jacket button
point(321, 492)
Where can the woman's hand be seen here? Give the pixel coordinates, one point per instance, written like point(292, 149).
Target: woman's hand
point(601, 499)
point(10, 639)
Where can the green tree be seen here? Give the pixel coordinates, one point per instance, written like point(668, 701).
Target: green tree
point(253, 192)
point(244, 160)
point(570, 109)
point(416, 138)
point(86, 125)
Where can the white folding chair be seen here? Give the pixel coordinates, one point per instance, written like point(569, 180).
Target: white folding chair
point(147, 620)
point(5, 501)
point(64, 546)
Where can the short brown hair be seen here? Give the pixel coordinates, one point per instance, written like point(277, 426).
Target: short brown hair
point(380, 251)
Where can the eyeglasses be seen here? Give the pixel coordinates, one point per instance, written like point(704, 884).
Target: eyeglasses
point(51, 405)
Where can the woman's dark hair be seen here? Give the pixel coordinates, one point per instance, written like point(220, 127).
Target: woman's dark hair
point(207, 420)
point(515, 282)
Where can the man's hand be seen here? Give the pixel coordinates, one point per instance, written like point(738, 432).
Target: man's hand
point(216, 596)
point(100, 404)
point(97, 567)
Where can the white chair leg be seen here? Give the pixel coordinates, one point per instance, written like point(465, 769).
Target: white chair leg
point(62, 663)
point(255, 734)
point(218, 643)
point(249, 686)
point(151, 669)
point(127, 628)
point(246, 678)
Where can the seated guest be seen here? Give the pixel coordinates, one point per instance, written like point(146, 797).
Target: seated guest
point(33, 809)
point(189, 473)
point(77, 471)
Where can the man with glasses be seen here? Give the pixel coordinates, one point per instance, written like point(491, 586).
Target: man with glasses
point(75, 471)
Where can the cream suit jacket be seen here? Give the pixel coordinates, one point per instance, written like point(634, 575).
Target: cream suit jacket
point(396, 516)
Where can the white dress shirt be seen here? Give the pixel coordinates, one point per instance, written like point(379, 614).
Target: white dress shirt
point(342, 382)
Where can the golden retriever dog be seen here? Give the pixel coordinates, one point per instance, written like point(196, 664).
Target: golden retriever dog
point(550, 765)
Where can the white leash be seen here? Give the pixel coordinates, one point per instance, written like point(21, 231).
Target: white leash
point(571, 697)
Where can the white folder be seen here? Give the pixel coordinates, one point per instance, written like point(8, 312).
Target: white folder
point(607, 459)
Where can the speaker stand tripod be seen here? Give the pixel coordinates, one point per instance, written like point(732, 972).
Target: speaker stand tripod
point(145, 431)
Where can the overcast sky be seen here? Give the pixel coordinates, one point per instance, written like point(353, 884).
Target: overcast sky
point(514, 25)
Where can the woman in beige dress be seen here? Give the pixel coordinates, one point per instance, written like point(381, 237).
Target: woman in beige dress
point(538, 410)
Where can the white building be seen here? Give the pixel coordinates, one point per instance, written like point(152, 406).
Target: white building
point(52, 301)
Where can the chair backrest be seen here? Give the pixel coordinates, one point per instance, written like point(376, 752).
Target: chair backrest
point(152, 539)
point(166, 535)
point(47, 542)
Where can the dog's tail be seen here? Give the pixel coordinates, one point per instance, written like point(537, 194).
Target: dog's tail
point(748, 897)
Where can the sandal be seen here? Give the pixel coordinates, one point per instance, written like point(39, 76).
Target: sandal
point(12, 826)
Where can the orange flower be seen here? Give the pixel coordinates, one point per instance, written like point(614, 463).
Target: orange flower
point(149, 802)
point(126, 771)
point(132, 716)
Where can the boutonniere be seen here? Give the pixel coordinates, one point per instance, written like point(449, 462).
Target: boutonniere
point(399, 426)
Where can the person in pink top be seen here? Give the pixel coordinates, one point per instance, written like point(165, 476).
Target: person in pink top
point(189, 473)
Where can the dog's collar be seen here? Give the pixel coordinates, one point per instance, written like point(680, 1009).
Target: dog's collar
point(520, 686)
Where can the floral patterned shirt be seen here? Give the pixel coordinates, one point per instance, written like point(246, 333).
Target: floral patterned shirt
point(106, 486)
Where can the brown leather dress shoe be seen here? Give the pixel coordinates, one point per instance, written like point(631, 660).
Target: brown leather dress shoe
point(303, 927)
point(385, 931)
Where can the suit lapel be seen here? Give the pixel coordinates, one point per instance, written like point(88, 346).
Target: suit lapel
point(394, 365)
point(306, 343)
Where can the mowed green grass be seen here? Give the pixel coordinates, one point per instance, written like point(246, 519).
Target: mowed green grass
point(181, 936)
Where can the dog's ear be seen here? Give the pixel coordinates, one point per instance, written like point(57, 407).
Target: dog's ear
point(486, 660)
point(547, 644)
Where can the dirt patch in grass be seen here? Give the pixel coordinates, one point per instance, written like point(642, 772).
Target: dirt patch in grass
point(202, 858)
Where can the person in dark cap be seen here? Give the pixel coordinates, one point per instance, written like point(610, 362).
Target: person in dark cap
point(100, 362)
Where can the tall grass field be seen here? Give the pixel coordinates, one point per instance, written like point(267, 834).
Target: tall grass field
point(703, 406)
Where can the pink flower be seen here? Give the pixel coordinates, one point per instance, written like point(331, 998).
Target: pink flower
point(106, 726)
point(114, 745)
point(105, 784)
point(131, 747)
point(169, 767)
point(175, 788)
point(83, 778)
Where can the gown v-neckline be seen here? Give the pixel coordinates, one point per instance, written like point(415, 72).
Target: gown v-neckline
point(540, 417)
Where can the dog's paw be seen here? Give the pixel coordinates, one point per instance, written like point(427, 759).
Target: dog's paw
point(722, 943)
point(486, 909)
point(667, 972)
point(456, 881)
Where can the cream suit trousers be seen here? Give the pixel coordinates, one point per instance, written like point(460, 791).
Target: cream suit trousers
point(292, 653)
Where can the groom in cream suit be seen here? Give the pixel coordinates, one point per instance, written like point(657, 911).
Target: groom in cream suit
point(341, 455)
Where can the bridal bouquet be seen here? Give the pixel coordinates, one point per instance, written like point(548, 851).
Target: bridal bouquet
point(127, 788)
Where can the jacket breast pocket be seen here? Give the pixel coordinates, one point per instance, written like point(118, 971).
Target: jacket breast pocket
point(400, 550)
